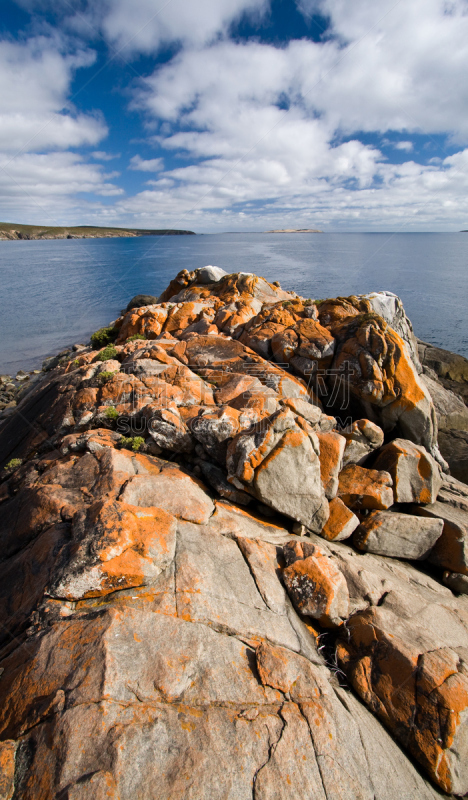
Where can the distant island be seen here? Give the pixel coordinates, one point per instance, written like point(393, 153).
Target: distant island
point(10, 230)
point(295, 230)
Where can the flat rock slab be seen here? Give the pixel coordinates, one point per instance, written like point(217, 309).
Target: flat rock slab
point(389, 533)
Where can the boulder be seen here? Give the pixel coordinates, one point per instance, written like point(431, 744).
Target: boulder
point(170, 489)
point(362, 438)
point(141, 300)
point(278, 462)
point(390, 308)
point(416, 475)
point(454, 448)
point(332, 447)
point(451, 411)
point(373, 368)
point(409, 668)
point(115, 546)
point(316, 587)
point(451, 550)
point(444, 363)
point(147, 321)
point(456, 582)
point(389, 533)
point(361, 488)
point(209, 274)
point(341, 523)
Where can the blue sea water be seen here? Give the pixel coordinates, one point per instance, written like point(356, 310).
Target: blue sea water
point(56, 292)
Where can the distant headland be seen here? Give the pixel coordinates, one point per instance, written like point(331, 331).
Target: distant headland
point(295, 230)
point(10, 230)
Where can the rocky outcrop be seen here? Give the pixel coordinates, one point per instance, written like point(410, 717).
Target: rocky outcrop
point(446, 377)
point(211, 585)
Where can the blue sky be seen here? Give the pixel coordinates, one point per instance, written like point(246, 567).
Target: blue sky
point(235, 114)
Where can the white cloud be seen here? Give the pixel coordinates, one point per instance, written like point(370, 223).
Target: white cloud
point(101, 155)
point(39, 175)
point(143, 26)
point(406, 146)
point(402, 66)
point(387, 68)
point(35, 114)
point(149, 165)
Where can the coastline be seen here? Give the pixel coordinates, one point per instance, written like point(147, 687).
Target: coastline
point(16, 232)
point(183, 501)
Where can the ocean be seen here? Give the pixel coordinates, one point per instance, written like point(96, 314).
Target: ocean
point(56, 292)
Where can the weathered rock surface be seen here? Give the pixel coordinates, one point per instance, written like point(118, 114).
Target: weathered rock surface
point(164, 631)
point(454, 448)
point(389, 533)
point(362, 438)
point(416, 475)
point(361, 488)
point(341, 523)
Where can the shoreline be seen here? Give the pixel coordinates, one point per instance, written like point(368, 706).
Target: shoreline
point(10, 231)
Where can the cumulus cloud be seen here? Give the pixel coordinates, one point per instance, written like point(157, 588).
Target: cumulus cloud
point(270, 135)
point(395, 66)
point(43, 187)
point(101, 155)
point(35, 114)
point(143, 26)
point(148, 165)
point(266, 125)
point(39, 175)
point(406, 146)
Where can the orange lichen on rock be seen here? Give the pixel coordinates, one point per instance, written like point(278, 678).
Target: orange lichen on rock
point(341, 523)
point(365, 488)
point(316, 586)
point(421, 696)
point(332, 447)
point(7, 769)
point(146, 321)
point(116, 546)
point(416, 475)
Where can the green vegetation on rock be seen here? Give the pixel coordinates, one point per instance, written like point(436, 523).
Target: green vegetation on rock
point(12, 230)
point(103, 336)
point(13, 464)
point(106, 375)
point(106, 354)
point(111, 413)
point(131, 443)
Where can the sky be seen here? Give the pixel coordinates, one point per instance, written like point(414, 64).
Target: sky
point(235, 115)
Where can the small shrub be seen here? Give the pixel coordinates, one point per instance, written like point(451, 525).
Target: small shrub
point(106, 354)
point(103, 336)
point(14, 463)
point(135, 337)
point(76, 362)
point(111, 413)
point(105, 376)
point(131, 443)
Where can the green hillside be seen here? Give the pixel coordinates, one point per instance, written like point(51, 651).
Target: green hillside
point(11, 230)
